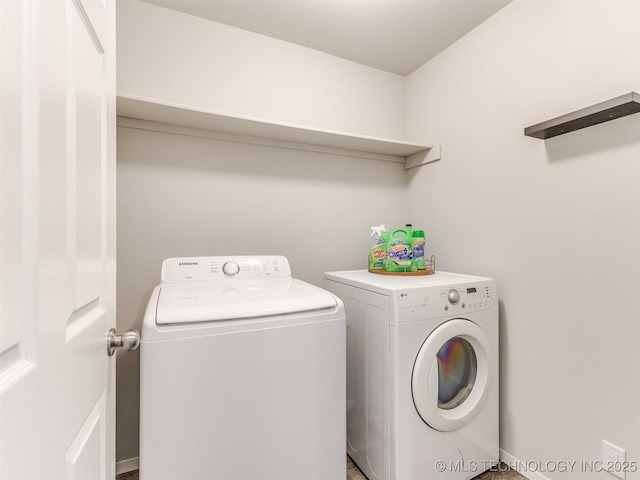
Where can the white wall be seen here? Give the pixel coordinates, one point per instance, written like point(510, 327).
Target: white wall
point(556, 222)
point(178, 58)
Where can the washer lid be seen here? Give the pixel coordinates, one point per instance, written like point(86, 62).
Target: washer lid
point(215, 301)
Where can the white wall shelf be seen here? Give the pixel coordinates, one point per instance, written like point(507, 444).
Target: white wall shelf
point(148, 114)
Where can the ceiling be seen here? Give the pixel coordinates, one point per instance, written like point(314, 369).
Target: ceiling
point(397, 36)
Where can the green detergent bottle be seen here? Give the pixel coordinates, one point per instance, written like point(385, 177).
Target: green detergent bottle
point(418, 250)
point(399, 250)
point(378, 253)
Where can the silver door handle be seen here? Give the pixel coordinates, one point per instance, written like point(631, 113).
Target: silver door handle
point(129, 341)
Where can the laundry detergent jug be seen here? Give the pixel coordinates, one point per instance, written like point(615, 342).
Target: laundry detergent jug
point(400, 250)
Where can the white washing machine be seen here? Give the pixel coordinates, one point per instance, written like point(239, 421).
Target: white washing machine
point(422, 374)
point(242, 374)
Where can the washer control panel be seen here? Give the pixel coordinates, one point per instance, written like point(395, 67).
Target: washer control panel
point(418, 304)
point(468, 297)
point(188, 269)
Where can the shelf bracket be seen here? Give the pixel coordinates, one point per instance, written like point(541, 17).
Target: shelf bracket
point(422, 158)
point(602, 112)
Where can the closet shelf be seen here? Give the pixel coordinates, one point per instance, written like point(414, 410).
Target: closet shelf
point(602, 112)
point(149, 110)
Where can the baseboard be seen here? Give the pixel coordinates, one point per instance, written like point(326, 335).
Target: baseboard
point(528, 470)
point(125, 466)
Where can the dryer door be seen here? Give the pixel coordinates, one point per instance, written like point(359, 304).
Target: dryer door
point(450, 376)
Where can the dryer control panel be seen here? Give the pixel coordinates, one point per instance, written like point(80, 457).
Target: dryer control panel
point(190, 269)
point(420, 303)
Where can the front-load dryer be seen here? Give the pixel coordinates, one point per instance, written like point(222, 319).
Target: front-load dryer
point(422, 374)
point(242, 374)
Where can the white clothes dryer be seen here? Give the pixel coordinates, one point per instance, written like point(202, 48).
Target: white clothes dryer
point(422, 374)
point(242, 374)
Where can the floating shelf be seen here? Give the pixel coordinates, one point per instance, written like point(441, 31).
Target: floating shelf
point(602, 112)
point(243, 128)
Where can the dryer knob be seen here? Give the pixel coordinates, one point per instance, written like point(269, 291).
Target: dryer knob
point(230, 269)
point(453, 296)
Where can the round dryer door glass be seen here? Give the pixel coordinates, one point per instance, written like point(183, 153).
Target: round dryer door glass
point(457, 367)
point(450, 377)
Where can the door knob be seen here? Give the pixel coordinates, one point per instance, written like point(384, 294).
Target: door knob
point(129, 341)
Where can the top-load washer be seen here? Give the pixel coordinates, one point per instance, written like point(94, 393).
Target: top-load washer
point(242, 373)
point(422, 374)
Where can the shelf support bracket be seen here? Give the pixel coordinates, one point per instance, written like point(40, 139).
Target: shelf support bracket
point(433, 154)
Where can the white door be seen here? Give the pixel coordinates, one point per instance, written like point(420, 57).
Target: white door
point(450, 377)
point(57, 238)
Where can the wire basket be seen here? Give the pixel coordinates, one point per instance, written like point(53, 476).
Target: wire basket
point(430, 269)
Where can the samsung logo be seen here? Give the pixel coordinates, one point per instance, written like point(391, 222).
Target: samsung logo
point(187, 263)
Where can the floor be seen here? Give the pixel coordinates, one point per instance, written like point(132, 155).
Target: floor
point(498, 473)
